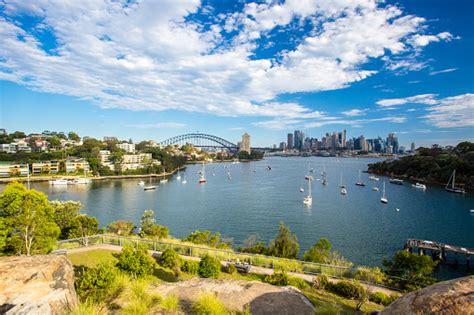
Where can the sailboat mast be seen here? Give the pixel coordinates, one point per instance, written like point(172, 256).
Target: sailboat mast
point(454, 178)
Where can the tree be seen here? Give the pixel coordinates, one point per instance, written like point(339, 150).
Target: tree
point(285, 244)
point(158, 231)
point(410, 271)
point(146, 222)
point(135, 261)
point(253, 245)
point(319, 253)
point(121, 227)
point(27, 216)
point(54, 142)
point(170, 259)
point(96, 283)
point(83, 226)
point(64, 213)
point(209, 267)
point(73, 136)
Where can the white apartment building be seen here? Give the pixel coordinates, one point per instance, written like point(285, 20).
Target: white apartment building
point(128, 147)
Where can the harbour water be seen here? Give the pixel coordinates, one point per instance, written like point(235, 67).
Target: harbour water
point(256, 199)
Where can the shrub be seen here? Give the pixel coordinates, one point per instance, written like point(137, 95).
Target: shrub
point(298, 283)
point(170, 259)
point(95, 283)
point(209, 304)
point(190, 266)
point(231, 269)
point(209, 267)
point(347, 289)
point(382, 298)
point(135, 261)
point(158, 231)
point(277, 278)
point(170, 303)
point(88, 308)
point(121, 227)
point(320, 282)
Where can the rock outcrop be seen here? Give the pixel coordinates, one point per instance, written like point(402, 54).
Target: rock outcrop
point(447, 297)
point(236, 294)
point(36, 285)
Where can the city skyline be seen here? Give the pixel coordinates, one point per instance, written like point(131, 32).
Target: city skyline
point(370, 68)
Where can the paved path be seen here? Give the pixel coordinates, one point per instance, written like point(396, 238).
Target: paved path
point(253, 269)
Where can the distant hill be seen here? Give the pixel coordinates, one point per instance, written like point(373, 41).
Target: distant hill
point(433, 165)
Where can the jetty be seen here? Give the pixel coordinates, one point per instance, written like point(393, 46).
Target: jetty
point(439, 250)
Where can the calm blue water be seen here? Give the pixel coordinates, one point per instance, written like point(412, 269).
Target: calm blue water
point(358, 225)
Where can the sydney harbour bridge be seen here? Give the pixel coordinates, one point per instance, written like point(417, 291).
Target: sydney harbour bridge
point(207, 141)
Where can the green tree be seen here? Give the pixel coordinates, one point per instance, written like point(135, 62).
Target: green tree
point(3, 233)
point(146, 222)
point(209, 267)
point(410, 271)
point(319, 253)
point(96, 283)
point(285, 244)
point(64, 214)
point(54, 142)
point(27, 216)
point(253, 245)
point(158, 231)
point(136, 261)
point(82, 227)
point(121, 227)
point(170, 259)
point(73, 136)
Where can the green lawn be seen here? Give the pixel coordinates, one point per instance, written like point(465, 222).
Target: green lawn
point(92, 258)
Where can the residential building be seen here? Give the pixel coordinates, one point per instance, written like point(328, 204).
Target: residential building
point(45, 167)
point(127, 147)
point(3, 131)
point(13, 169)
point(245, 143)
point(76, 165)
point(135, 161)
point(8, 147)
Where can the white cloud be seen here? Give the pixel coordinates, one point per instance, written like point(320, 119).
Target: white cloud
point(443, 71)
point(418, 40)
point(427, 99)
point(147, 56)
point(163, 125)
point(354, 112)
point(452, 112)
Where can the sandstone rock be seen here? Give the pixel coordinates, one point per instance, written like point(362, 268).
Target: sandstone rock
point(36, 285)
point(447, 297)
point(236, 294)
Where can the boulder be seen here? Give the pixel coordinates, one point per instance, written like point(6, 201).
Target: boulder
point(36, 285)
point(447, 297)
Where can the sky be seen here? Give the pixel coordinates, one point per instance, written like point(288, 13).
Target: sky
point(150, 70)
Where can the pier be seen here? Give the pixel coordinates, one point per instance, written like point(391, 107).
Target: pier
point(438, 250)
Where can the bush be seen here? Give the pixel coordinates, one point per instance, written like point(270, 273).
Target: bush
point(158, 231)
point(135, 261)
point(170, 303)
point(209, 304)
point(190, 266)
point(170, 259)
point(347, 289)
point(299, 283)
point(277, 278)
point(209, 267)
point(88, 308)
point(231, 269)
point(96, 283)
point(320, 282)
point(121, 227)
point(382, 298)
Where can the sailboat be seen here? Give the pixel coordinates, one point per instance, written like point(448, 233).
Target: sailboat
point(184, 180)
point(324, 182)
point(202, 179)
point(179, 175)
point(384, 198)
point(343, 188)
point(309, 199)
point(359, 182)
point(340, 181)
point(164, 180)
point(228, 176)
point(452, 188)
point(149, 187)
point(83, 180)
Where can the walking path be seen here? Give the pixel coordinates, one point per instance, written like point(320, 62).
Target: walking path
point(253, 269)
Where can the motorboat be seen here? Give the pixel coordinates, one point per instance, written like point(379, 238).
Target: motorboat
point(147, 188)
point(372, 177)
point(60, 182)
point(419, 186)
point(396, 181)
point(141, 183)
point(375, 188)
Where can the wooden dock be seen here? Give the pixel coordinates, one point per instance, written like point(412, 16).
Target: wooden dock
point(438, 250)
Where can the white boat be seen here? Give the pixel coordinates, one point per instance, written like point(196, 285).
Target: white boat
point(301, 189)
point(308, 200)
point(374, 178)
point(323, 181)
point(184, 180)
point(202, 179)
point(60, 181)
point(396, 181)
point(141, 183)
point(228, 176)
point(164, 180)
point(343, 191)
point(375, 188)
point(151, 187)
point(384, 198)
point(340, 181)
point(360, 182)
point(179, 175)
point(453, 188)
point(83, 180)
point(419, 186)
point(471, 211)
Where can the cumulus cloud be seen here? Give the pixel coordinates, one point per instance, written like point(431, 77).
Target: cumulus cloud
point(354, 112)
point(151, 56)
point(452, 112)
point(427, 99)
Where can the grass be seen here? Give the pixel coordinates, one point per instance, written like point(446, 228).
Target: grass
point(209, 304)
point(88, 308)
point(328, 303)
point(92, 258)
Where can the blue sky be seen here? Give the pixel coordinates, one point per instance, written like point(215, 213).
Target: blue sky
point(152, 70)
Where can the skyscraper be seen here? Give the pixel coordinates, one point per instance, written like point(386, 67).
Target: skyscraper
point(245, 143)
point(290, 141)
point(298, 139)
point(412, 146)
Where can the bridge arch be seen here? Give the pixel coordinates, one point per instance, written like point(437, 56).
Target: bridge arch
point(195, 138)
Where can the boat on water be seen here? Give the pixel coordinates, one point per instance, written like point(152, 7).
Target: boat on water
point(179, 175)
point(340, 181)
point(419, 186)
point(60, 182)
point(164, 180)
point(343, 190)
point(311, 170)
point(202, 179)
point(384, 198)
point(141, 183)
point(308, 177)
point(228, 176)
point(372, 177)
point(308, 200)
point(360, 182)
point(324, 181)
point(83, 180)
point(184, 180)
point(452, 188)
point(149, 187)
point(301, 189)
point(396, 181)
point(375, 188)
point(269, 168)
point(471, 211)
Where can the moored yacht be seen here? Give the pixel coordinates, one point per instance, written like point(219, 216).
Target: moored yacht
point(360, 182)
point(419, 186)
point(384, 198)
point(452, 188)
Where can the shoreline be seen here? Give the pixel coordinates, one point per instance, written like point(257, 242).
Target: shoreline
point(94, 178)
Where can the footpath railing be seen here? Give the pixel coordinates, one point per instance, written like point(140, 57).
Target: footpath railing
point(290, 265)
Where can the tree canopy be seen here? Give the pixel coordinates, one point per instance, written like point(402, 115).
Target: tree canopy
point(285, 244)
